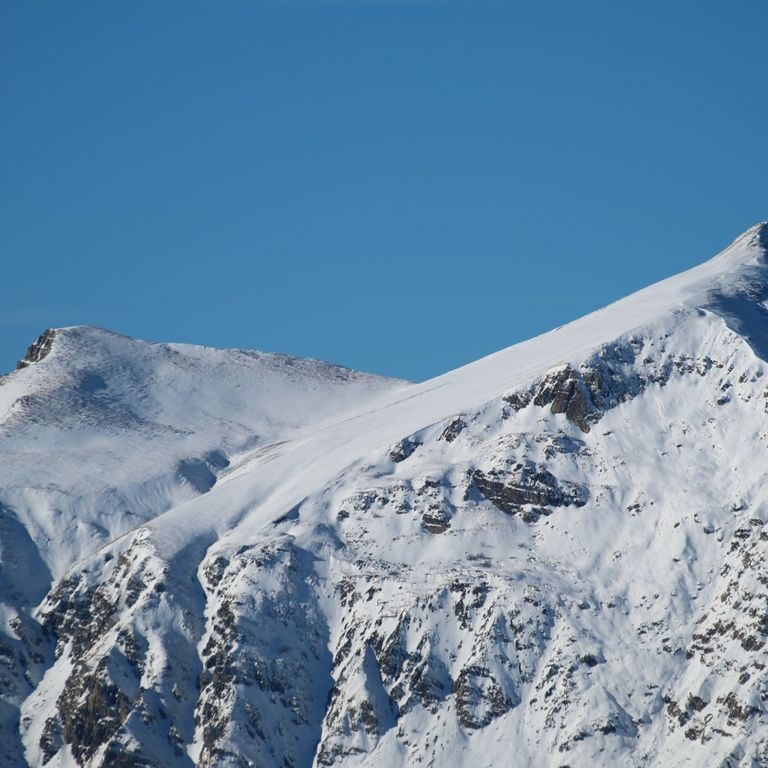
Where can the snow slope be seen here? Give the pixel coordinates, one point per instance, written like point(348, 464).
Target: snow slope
point(143, 427)
point(553, 556)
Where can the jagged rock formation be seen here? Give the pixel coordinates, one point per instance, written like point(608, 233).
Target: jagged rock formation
point(558, 553)
point(39, 348)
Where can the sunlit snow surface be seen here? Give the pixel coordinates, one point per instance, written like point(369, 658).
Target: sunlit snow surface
point(228, 558)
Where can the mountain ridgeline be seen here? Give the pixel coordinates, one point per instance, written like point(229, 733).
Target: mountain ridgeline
point(555, 556)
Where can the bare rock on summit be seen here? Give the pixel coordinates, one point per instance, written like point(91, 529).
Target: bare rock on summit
point(39, 348)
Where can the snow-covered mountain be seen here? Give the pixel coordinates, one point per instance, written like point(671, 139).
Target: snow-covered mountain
point(555, 556)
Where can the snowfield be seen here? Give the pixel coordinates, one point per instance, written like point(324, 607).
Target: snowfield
point(554, 556)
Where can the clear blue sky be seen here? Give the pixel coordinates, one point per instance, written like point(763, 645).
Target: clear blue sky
point(396, 186)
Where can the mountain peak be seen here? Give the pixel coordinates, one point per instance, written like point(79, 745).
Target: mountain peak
point(751, 242)
point(38, 349)
point(759, 233)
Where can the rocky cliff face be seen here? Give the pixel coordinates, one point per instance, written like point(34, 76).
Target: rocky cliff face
point(554, 557)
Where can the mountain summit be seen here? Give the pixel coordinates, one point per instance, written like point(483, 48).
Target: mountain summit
point(554, 556)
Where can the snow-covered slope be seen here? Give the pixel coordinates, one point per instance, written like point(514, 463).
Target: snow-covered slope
point(553, 556)
point(101, 432)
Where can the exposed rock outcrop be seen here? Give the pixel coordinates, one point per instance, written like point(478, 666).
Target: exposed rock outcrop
point(39, 348)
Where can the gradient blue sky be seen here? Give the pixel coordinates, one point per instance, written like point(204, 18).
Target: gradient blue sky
point(396, 186)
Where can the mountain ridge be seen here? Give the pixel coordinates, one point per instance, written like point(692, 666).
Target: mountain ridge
point(558, 549)
point(742, 252)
